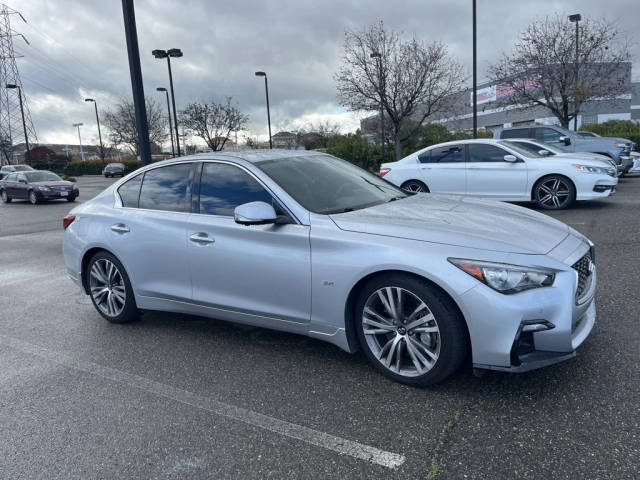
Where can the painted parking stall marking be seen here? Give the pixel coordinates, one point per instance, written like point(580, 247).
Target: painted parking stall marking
point(266, 422)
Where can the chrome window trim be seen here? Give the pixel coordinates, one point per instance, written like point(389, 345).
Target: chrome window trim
point(118, 200)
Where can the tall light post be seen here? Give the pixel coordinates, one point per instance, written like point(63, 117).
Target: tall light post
point(24, 124)
point(162, 89)
point(266, 90)
point(378, 58)
point(95, 104)
point(78, 125)
point(175, 53)
point(475, 76)
point(575, 18)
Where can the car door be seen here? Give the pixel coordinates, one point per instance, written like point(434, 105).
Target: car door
point(149, 232)
point(443, 169)
point(489, 175)
point(258, 273)
point(10, 184)
point(21, 187)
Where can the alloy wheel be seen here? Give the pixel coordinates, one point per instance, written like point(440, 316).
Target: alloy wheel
point(554, 193)
point(32, 198)
point(107, 287)
point(401, 331)
point(414, 187)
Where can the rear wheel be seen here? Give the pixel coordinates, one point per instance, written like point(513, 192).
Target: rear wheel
point(110, 289)
point(415, 186)
point(554, 192)
point(409, 330)
point(5, 198)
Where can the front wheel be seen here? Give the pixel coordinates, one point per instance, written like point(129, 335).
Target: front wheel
point(110, 289)
point(554, 192)
point(409, 330)
point(33, 199)
point(5, 198)
point(71, 199)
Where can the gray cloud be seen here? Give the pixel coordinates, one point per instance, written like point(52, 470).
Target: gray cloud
point(78, 49)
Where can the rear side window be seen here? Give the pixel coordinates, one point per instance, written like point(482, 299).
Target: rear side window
point(223, 187)
point(515, 133)
point(130, 191)
point(486, 153)
point(425, 157)
point(449, 154)
point(166, 188)
point(11, 177)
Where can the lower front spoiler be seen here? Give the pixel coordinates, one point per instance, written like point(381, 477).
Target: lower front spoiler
point(531, 361)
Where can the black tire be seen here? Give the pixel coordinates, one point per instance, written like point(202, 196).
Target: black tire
point(71, 199)
point(554, 192)
point(33, 199)
point(415, 186)
point(106, 176)
point(5, 198)
point(453, 336)
point(129, 311)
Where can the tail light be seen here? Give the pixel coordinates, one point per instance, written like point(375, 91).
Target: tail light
point(384, 171)
point(67, 220)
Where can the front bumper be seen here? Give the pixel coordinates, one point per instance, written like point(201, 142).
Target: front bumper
point(55, 195)
point(496, 321)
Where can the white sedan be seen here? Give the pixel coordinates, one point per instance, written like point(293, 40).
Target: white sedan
point(502, 170)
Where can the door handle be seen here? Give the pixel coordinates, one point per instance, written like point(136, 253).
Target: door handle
point(120, 228)
point(201, 238)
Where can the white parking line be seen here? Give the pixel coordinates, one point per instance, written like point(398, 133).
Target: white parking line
point(282, 427)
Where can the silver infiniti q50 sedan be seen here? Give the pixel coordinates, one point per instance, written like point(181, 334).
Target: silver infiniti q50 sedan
point(307, 243)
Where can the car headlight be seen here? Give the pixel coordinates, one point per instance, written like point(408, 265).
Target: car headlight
point(621, 145)
point(590, 169)
point(503, 277)
point(43, 188)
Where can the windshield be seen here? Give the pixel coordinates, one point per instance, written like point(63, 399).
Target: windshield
point(523, 149)
point(325, 184)
point(22, 168)
point(42, 177)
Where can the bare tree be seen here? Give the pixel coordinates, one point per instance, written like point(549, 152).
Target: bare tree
point(541, 70)
point(213, 122)
point(410, 79)
point(121, 121)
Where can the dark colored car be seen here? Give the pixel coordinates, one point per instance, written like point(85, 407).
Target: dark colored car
point(7, 169)
point(36, 186)
point(113, 169)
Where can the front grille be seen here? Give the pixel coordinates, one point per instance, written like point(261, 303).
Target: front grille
point(585, 275)
point(60, 189)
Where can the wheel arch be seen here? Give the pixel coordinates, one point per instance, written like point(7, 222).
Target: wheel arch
point(546, 175)
point(349, 310)
point(86, 257)
point(416, 180)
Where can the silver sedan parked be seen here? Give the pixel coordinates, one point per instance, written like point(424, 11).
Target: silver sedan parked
point(304, 242)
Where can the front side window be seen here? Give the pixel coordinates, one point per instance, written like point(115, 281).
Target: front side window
point(12, 177)
point(325, 184)
point(223, 187)
point(448, 154)
point(485, 153)
point(21, 177)
point(130, 192)
point(548, 135)
point(166, 188)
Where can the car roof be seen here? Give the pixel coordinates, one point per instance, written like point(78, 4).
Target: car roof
point(251, 156)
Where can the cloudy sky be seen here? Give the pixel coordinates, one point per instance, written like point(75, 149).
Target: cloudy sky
point(78, 50)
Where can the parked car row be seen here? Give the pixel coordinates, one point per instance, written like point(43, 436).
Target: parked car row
point(7, 169)
point(306, 243)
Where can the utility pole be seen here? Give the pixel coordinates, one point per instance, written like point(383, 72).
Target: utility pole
point(266, 91)
point(475, 76)
point(95, 104)
point(162, 89)
point(576, 19)
point(78, 125)
point(24, 124)
point(131, 34)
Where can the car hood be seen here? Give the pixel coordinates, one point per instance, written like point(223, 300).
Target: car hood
point(54, 183)
point(585, 158)
point(461, 221)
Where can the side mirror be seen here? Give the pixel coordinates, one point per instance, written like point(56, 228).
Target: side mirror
point(510, 158)
point(544, 153)
point(255, 213)
point(565, 140)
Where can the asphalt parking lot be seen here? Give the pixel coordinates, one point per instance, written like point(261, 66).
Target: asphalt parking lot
point(183, 397)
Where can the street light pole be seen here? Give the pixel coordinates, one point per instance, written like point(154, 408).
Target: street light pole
point(575, 18)
point(95, 104)
point(266, 90)
point(78, 125)
point(24, 124)
point(162, 89)
point(475, 76)
point(378, 58)
point(176, 53)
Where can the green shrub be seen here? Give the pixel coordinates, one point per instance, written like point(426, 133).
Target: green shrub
point(356, 149)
